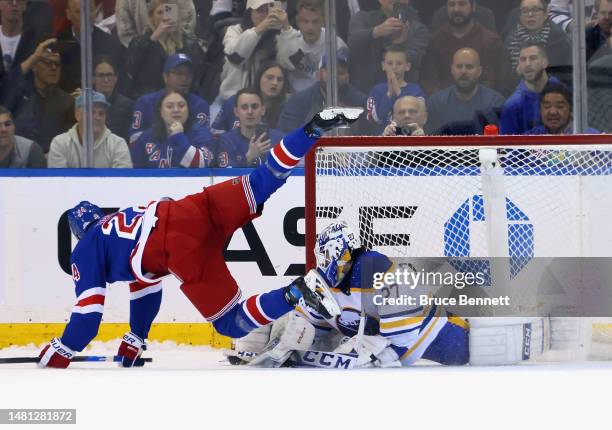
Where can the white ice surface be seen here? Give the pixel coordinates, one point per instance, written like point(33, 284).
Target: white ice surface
point(194, 388)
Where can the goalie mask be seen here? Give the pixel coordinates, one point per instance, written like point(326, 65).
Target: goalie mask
point(333, 251)
point(83, 216)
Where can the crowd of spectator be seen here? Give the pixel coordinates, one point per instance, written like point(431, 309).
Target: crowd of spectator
point(216, 83)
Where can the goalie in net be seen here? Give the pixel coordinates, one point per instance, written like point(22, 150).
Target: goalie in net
point(515, 197)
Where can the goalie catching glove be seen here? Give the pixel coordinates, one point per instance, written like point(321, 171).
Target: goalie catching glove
point(130, 350)
point(312, 290)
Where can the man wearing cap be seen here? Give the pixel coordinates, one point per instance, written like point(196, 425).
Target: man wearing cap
point(109, 149)
point(304, 104)
point(178, 74)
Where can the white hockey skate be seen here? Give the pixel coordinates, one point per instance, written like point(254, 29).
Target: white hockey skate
point(331, 118)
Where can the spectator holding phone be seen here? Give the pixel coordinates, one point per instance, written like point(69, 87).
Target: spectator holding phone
point(370, 32)
point(172, 140)
point(248, 144)
point(133, 19)
point(272, 85)
point(248, 44)
point(147, 53)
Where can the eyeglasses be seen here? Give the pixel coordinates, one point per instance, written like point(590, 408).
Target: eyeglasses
point(104, 76)
point(531, 11)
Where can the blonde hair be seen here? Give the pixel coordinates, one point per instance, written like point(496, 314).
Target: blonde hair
point(170, 42)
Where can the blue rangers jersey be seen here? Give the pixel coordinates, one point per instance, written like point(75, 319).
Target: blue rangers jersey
point(110, 251)
point(144, 111)
point(193, 148)
point(409, 329)
point(233, 146)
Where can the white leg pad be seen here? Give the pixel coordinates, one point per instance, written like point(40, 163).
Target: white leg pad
point(572, 335)
point(255, 341)
point(504, 341)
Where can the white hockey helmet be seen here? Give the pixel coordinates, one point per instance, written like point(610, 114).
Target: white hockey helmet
point(333, 251)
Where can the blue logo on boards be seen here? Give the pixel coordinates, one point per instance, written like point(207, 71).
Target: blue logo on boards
point(457, 235)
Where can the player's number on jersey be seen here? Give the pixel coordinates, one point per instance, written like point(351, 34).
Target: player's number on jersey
point(123, 228)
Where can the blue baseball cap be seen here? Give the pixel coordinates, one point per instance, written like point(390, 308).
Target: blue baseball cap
point(342, 56)
point(175, 60)
point(96, 98)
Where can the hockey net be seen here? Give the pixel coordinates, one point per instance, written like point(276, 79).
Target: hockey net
point(482, 196)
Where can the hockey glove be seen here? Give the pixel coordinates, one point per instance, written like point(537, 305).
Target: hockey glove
point(130, 350)
point(56, 355)
point(314, 292)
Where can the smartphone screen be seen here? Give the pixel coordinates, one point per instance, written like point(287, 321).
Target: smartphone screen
point(260, 129)
point(400, 11)
point(171, 12)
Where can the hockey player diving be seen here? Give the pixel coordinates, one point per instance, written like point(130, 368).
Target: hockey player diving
point(185, 238)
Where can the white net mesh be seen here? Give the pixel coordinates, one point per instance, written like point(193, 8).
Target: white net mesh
point(517, 202)
point(430, 202)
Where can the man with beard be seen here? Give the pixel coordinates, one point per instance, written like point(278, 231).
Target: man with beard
point(460, 103)
point(461, 31)
point(521, 112)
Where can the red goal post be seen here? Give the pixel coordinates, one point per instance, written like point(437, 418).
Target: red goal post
point(435, 143)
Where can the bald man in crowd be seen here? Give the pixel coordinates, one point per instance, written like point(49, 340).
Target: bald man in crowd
point(459, 109)
point(409, 117)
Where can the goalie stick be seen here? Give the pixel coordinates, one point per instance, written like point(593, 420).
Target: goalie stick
point(79, 359)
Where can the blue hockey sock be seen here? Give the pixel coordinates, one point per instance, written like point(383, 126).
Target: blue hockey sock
point(143, 311)
point(288, 153)
point(256, 311)
point(268, 178)
point(264, 183)
point(81, 329)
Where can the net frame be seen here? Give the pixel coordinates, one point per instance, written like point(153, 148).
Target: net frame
point(473, 142)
